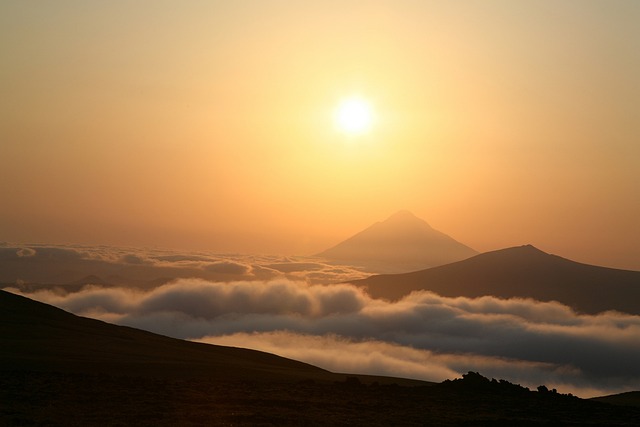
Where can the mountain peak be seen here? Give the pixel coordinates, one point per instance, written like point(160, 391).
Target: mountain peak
point(402, 214)
point(406, 218)
point(528, 251)
point(529, 247)
point(402, 242)
point(520, 272)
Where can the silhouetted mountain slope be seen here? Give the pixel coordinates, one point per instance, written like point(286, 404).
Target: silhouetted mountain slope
point(631, 398)
point(60, 369)
point(524, 272)
point(37, 336)
point(55, 399)
point(402, 242)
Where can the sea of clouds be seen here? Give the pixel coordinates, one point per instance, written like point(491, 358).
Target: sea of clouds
point(62, 265)
point(341, 328)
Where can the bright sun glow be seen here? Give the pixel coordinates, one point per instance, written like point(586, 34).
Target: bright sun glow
point(354, 116)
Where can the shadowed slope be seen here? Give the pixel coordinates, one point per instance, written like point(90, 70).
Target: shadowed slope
point(631, 398)
point(524, 272)
point(36, 336)
point(402, 242)
point(61, 369)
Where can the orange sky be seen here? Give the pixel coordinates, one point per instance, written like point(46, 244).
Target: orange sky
point(208, 125)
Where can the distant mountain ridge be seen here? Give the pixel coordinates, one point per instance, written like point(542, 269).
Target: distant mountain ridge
point(403, 242)
point(522, 272)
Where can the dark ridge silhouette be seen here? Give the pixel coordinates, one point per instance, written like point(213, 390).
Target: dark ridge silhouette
point(60, 369)
point(37, 336)
point(522, 272)
point(630, 398)
point(403, 242)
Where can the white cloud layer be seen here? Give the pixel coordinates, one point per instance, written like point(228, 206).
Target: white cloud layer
point(341, 328)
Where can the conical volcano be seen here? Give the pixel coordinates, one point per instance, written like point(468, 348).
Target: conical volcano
point(403, 242)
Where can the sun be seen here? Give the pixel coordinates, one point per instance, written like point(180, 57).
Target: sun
point(354, 116)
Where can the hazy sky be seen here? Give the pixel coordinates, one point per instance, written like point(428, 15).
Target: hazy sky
point(208, 124)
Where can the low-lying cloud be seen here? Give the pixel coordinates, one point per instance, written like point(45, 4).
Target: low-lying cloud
point(340, 354)
point(424, 335)
point(46, 266)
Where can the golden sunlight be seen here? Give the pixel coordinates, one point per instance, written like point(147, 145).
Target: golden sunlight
point(354, 116)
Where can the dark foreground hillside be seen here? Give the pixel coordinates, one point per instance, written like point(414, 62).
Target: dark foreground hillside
point(59, 399)
point(57, 369)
